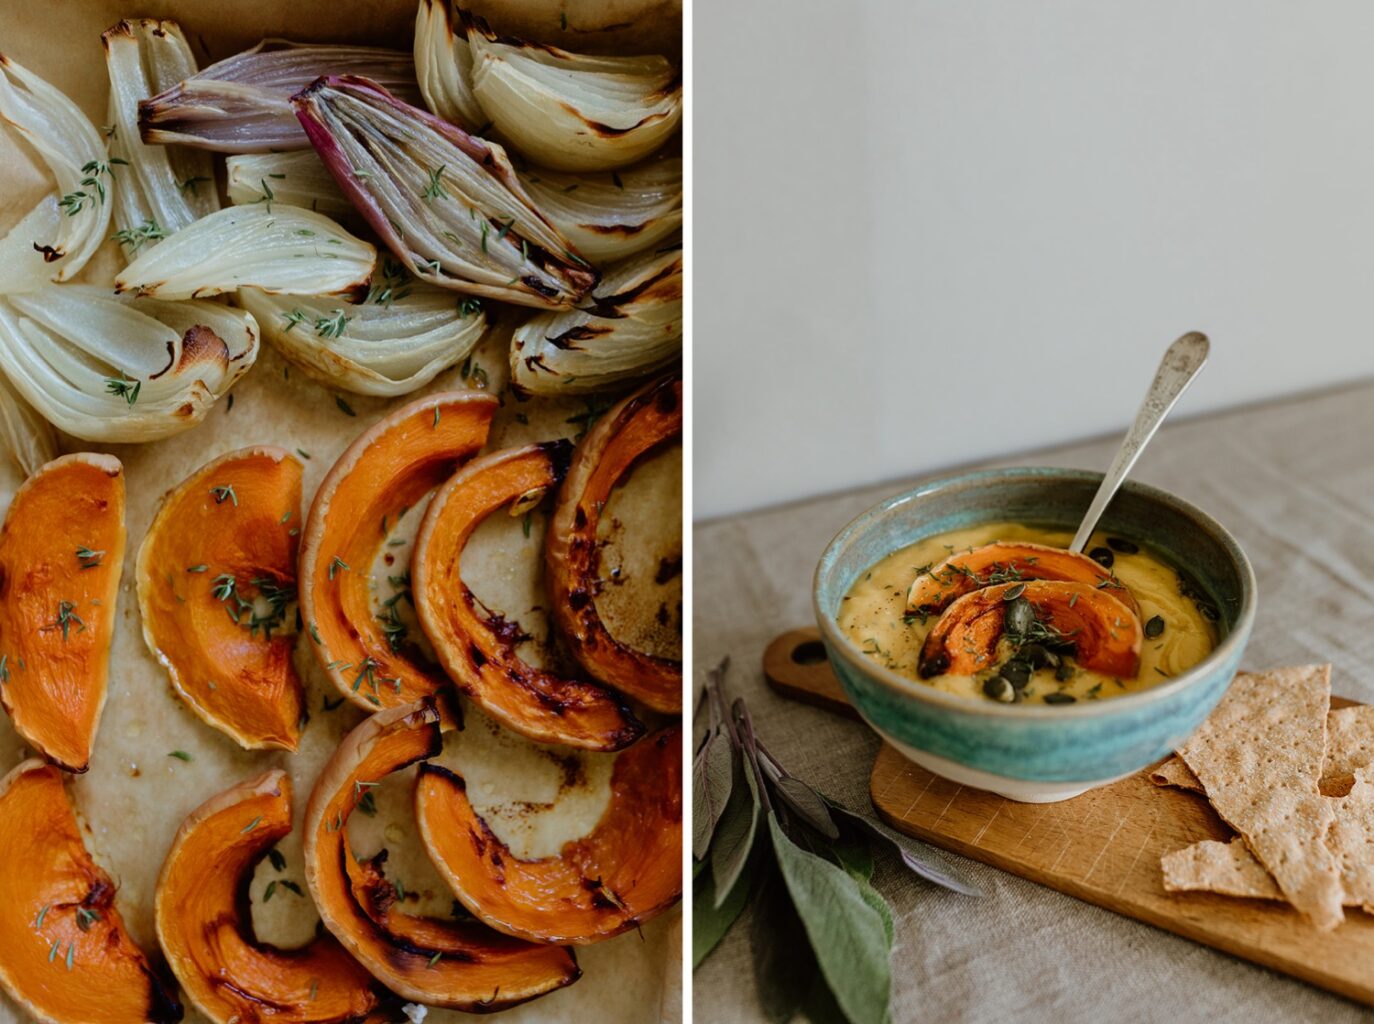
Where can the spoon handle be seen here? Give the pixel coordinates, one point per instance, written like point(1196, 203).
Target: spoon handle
point(1181, 363)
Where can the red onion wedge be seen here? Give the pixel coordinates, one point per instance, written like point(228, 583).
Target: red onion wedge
point(243, 103)
point(447, 203)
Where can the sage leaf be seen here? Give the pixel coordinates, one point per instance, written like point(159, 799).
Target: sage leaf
point(848, 936)
point(711, 921)
point(783, 961)
point(735, 835)
point(919, 857)
point(713, 773)
point(809, 805)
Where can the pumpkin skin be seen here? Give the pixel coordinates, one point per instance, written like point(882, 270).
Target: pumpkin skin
point(1106, 635)
point(638, 424)
point(205, 927)
point(959, 574)
point(457, 965)
point(61, 901)
point(389, 468)
point(54, 666)
point(479, 650)
point(626, 872)
point(239, 680)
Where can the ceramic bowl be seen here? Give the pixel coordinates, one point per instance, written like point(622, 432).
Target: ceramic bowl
point(1034, 752)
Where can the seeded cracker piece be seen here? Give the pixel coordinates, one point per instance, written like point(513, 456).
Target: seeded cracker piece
point(1349, 746)
point(1259, 757)
point(1211, 866)
point(1174, 772)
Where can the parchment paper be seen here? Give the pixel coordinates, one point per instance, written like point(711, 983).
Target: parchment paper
point(135, 796)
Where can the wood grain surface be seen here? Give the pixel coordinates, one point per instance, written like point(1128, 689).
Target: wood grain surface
point(1102, 847)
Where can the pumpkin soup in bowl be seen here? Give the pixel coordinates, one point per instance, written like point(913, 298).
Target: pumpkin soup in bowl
point(1004, 612)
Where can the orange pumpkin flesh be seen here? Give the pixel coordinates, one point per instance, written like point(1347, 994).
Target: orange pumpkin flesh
point(204, 923)
point(65, 956)
point(643, 421)
point(223, 540)
point(959, 574)
point(464, 966)
point(1105, 634)
point(627, 871)
point(479, 650)
point(61, 553)
point(389, 468)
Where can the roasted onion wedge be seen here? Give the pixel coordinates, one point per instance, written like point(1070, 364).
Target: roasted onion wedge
point(385, 472)
point(443, 66)
point(296, 178)
point(68, 958)
point(610, 217)
point(205, 928)
point(162, 188)
point(62, 233)
point(112, 370)
point(280, 249)
point(570, 111)
point(1105, 634)
point(440, 963)
point(243, 103)
point(61, 554)
point(447, 203)
point(629, 328)
point(400, 339)
point(626, 872)
point(216, 585)
point(645, 420)
point(479, 649)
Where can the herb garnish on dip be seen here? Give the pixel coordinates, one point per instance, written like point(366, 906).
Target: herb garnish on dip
point(1005, 612)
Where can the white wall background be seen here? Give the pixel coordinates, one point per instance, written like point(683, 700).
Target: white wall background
point(928, 232)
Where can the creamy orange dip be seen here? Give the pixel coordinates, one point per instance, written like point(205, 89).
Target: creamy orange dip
point(1177, 626)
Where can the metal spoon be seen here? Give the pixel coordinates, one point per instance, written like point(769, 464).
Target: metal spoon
point(1184, 360)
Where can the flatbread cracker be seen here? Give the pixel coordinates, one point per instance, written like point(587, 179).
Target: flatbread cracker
point(1229, 869)
point(1173, 772)
point(1259, 757)
point(1349, 746)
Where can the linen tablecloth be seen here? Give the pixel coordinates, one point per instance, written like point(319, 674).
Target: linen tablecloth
point(1294, 481)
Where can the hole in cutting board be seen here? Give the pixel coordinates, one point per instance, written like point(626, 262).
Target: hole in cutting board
point(812, 652)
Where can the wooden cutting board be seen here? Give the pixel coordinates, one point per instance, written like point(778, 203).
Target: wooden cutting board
point(1102, 847)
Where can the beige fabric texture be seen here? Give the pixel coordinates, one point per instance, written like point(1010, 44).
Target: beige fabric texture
point(1259, 757)
point(1293, 481)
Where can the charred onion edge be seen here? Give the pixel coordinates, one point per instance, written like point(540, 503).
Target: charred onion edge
point(573, 554)
point(478, 655)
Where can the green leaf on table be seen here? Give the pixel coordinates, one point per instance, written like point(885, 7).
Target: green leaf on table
point(848, 936)
point(919, 857)
point(711, 922)
point(735, 834)
point(809, 805)
point(713, 773)
point(784, 966)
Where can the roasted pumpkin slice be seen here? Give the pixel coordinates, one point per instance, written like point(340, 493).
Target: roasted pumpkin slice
point(646, 419)
point(625, 872)
point(61, 553)
point(206, 931)
point(65, 956)
point(216, 579)
point(479, 649)
point(1105, 635)
point(458, 965)
point(933, 590)
point(384, 473)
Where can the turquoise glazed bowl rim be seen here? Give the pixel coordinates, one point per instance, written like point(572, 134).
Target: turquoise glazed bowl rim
point(1229, 648)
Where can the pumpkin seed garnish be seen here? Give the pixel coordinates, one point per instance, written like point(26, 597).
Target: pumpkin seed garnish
point(1154, 627)
point(180, 755)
